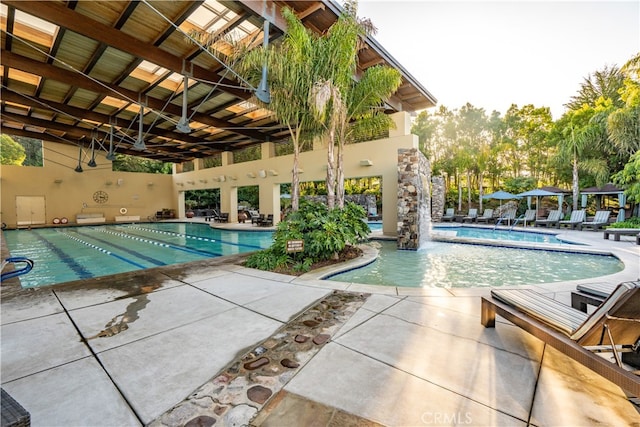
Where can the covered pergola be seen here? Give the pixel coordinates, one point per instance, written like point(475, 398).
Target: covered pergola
point(127, 77)
point(608, 190)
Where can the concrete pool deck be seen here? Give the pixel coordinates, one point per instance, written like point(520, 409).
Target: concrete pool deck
point(127, 349)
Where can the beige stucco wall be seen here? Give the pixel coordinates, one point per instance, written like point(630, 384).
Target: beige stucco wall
point(144, 194)
point(68, 193)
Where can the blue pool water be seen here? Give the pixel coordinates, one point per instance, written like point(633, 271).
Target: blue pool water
point(457, 265)
point(71, 253)
point(501, 234)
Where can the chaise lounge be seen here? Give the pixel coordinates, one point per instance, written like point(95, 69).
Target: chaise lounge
point(552, 220)
point(614, 327)
point(471, 216)
point(577, 218)
point(599, 221)
point(449, 215)
point(487, 216)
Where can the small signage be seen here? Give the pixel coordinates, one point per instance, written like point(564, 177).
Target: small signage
point(295, 245)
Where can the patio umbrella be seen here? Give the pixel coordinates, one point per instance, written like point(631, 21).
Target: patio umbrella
point(500, 195)
point(538, 192)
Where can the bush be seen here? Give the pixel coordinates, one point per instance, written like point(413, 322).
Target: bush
point(633, 222)
point(325, 234)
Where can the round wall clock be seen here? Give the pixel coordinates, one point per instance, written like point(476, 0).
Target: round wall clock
point(100, 196)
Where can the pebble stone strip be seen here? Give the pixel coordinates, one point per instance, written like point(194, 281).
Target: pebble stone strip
point(235, 396)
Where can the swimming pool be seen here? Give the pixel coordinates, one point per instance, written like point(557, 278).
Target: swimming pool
point(492, 233)
point(448, 265)
point(72, 253)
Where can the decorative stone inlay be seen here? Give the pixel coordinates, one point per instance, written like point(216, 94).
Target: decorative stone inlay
point(288, 363)
point(321, 339)
point(259, 394)
point(201, 421)
point(236, 395)
point(250, 366)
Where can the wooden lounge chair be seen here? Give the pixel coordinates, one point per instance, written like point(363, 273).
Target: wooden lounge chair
point(449, 215)
point(487, 216)
point(577, 218)
point(613, 327)
point(471, 216)
point(552, 219)
point(600, 220)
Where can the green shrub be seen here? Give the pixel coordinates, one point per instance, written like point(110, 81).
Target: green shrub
point(325, 234)
point(633, 222)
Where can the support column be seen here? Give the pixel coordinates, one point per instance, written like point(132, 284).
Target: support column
point(414, 198)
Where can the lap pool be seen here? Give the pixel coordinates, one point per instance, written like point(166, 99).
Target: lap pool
point(72, 253)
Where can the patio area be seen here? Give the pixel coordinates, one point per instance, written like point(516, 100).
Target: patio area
point(186, 345)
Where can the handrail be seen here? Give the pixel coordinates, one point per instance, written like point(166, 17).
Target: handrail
point(24, 270)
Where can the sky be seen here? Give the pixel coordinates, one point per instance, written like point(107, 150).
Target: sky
point(497, 53)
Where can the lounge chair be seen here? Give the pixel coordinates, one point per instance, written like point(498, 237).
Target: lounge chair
point(577, 218)
point(449, 215)
point(600, 220)
point(254, 215)
point(471, 216)
point(529, 216)
point(224, 217)
point(613, 326)
point(507, 217)
point(590, 294)
point(266, 222)
point(487, 216)
point(552, 220)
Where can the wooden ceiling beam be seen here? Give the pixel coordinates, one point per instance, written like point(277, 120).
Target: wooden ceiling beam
point(58, 14)
point(12, 60)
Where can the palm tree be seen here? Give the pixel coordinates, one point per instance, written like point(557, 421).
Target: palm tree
point(290, 83)
point(342, 106)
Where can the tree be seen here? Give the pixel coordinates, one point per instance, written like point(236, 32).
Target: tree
point(290, 83)
point(344, 107)
point(623, 124)
point(629, 178)
point(11, 153)
point(603, 83)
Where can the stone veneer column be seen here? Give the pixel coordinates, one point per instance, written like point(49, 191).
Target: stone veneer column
point(414, 198)
point(437, 198)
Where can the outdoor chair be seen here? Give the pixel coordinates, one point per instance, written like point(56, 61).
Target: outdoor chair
point(507, 217)
point(613, 327)
point(487, 216)
point(577, 218)
point(471, 216)
point(224, 217)
point(590, 294)
point(254, 215)
point(552, 220)
point(266, 222)
point(599, 221)
point(449, 215)
point(529, 216)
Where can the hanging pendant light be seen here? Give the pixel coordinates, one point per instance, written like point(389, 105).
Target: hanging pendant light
point(183, 124)
point(92, 163)
point(79, 167)
point(262, 92)
point(139, 144)
point(111, 155)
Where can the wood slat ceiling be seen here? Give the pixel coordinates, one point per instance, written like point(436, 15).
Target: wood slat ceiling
point(73, 70)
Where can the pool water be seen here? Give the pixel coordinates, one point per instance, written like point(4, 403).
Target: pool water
point(501, 234)
point(457, 265)
point(72, 253)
